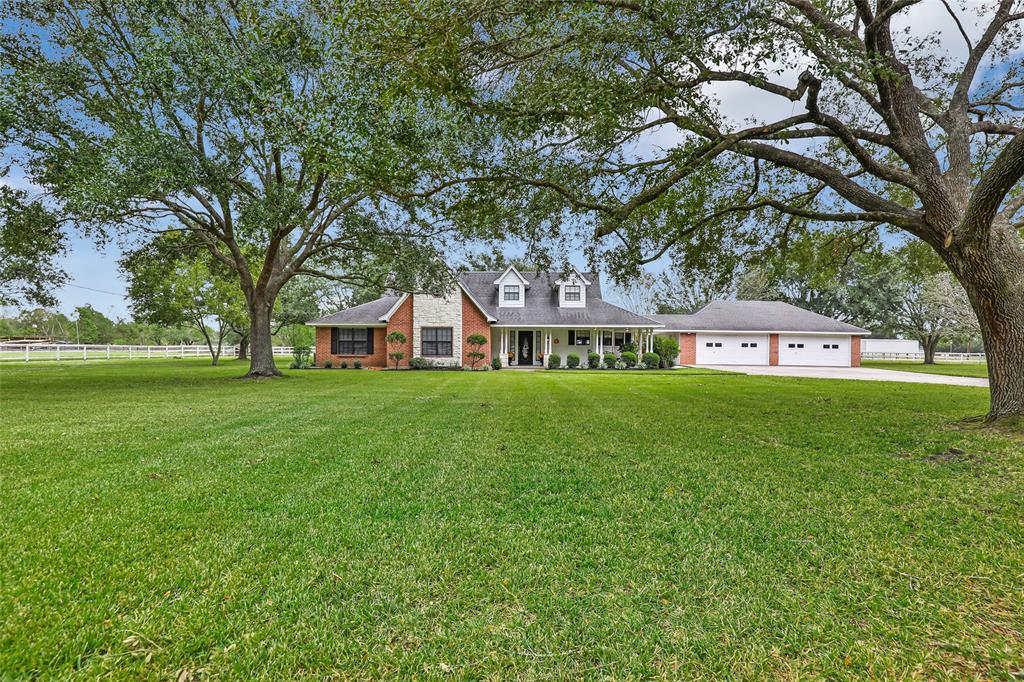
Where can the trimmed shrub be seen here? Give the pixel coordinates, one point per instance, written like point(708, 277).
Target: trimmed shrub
point(495, 363)
point(667, 348)
point(420, 363)
point(301, 355)
point(475, 342)
point(610, 360)
point(555, 361)
point(343, 365)
point(328, 364)
point(593, 360)
point(572, 361)
point(395, 341)
point(629, 347)
point(628, 358)
point(358, 364)
point(652, 360)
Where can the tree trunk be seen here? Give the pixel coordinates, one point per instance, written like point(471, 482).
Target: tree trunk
point(930, 343)
point(243, 347)
point(993, 275)
point(261, 342)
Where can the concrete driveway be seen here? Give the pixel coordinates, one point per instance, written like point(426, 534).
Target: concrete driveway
point(858, 373)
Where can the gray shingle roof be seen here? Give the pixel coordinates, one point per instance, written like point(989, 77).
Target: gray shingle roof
point(365, 314)
point(541, 302)
point(761, 316)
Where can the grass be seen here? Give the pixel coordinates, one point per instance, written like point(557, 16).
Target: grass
point(956, 369)
point(162, 518)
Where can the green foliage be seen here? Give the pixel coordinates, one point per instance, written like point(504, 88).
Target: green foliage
point(593, 360)
point(31, 242)
point(343, 364)
point(667, 348)
point(609, 360)
point(572, 360)
point(420, 363)
point(629, 347)
point(395, 340)
point(357, 364)
point(301, 355)
point(628, 358)
point(554, 361)
point(652, 360)
point(92, 326)
point(495, 363)
point(328, 364)
point(475, 342)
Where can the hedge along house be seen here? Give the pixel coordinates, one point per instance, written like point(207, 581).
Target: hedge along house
point(525, 317)
point(762, 333)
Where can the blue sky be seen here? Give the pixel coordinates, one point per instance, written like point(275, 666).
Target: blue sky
point(95, 279)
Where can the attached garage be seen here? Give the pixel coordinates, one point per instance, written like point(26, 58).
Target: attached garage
point(732, 349)
point(762, 333)
point(813, 350)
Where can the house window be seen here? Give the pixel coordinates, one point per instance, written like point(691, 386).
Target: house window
point(579, 337)
point(351, 341)
point(831, 346)
point(718, 344)
point(753, 345)
point(572, 292)
point(511, 292)
point(796, 345)
point(607, 339)
point(436, 342)
point(622, 337)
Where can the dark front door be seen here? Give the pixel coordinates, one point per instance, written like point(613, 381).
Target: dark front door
point(524, 349)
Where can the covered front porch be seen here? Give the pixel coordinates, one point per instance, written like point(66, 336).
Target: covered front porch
point(530, 346)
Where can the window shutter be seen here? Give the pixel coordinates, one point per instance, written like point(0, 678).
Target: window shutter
point(572, 337)
point(334, 340)
point(369, 340)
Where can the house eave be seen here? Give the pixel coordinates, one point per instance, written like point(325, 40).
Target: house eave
point(764, 331)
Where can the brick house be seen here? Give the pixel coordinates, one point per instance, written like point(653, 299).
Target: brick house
point(527, 316)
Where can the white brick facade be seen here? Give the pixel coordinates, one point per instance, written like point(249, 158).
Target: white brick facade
point(436, 311)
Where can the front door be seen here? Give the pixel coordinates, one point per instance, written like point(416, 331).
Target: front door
point(525, 348)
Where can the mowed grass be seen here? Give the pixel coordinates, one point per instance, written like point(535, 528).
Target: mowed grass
point(956, 369)
point(163, 518)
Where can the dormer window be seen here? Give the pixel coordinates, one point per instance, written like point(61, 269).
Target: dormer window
point(511, 293)
point(571, 290)
point(512, 288)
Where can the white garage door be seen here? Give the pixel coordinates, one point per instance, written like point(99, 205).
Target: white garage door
point(732, 349)
point(814, 351)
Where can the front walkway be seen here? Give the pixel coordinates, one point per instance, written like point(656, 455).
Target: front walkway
point(859, 373)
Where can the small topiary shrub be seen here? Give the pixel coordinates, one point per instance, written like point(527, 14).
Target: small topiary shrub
point(652, 360)
point(554, 361)
point(395, 341)
point(328, 364)
point(593, 360)
point(358, 364)
point(475, 342)
point(609, 360)
point(343, 365)
point(629, 359)
point(420, 363)
point(572, 361)
point(495, 363)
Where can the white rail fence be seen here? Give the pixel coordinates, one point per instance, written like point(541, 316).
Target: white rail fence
point(29, 352)
point(919, 357)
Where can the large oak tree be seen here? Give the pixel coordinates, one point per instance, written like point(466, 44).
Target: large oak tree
point(249, 124)
point(886, 128)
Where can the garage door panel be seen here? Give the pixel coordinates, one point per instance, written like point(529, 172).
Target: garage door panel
point(732, 349)
point(814, 350)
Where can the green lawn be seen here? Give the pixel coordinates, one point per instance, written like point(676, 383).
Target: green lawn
point(161, 516)
point(956, 369)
